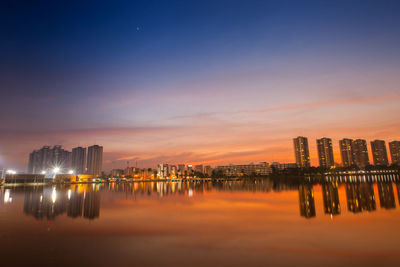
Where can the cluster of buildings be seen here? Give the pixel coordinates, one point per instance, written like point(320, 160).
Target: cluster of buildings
point(164, 171)
point(353, 152)
point(89, 160)
point(58, 160)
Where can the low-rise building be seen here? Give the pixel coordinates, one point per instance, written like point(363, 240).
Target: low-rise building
point(260, 169)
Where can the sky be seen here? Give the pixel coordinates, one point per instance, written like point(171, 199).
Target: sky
point(196, 82)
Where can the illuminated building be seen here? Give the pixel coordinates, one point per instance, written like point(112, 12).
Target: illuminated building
point(198, 168)
point(130, 171)
point(325, 152)
point(386, 195)
point(331, 198)
point(306, 200)
point(394, 148)
point(379, 153)
point(174, 171)
point(208, 170)
point(360, 197)
point(78, 160)
point(117, 173)
point(360, 153)
point(48, 158)
point(181, 170)
point(301, 152)
point(346, 151)
point(95, 160)
point(261, 169)
point(163, 171)
point(189, 170)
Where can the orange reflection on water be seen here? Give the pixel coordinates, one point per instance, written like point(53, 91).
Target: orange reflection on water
point(224, 223)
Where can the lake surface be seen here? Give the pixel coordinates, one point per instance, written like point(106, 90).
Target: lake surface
point(242, 223)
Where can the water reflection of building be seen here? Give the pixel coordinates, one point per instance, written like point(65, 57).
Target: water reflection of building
point(330, 196)
point(360, 197)
point(91, 205)
point(386, 195)
point(75, 204)
point(44, 203)
point(306, 200)
point(48, 203)
point(398, 191)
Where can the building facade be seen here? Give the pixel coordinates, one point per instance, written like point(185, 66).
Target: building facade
point(301, 152)
point(360, 153)
point(95, 160)
point(283, 166)
point(47, 158)
point(394, 148)
point(198, 168)
point(379, 153)
point(261, 169)
point(346, 151)
point(325, 152)
point(163, 170)
point(79, 160)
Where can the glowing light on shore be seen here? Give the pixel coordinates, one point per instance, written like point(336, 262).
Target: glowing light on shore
point(54, 195)
point(7, 198)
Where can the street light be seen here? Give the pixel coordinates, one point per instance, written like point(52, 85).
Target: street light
point(43, 172)
point(11, 172)
point(71, 172)
point(55, 171)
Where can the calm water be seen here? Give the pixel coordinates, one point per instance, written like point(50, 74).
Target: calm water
point(245, 223)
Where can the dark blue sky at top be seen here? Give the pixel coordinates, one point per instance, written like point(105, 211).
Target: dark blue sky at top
point(51, 46)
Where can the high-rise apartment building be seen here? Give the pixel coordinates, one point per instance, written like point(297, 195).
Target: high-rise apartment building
point(379, 153)
point(346, 151)
point(394, 148)
point(360, 153)
point(95, 160)
point(46, 159)
point(78, 160)
point(301, 152)
point(325, 152)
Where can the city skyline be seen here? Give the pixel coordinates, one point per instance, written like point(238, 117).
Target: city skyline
point(348, 153)
point(197, 82)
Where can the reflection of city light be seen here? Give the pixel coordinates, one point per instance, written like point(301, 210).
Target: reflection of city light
point(54, 195)
point(7, 198)
point(41, 198)
point(190, 192)
point(69, 194)
point(11, 172)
